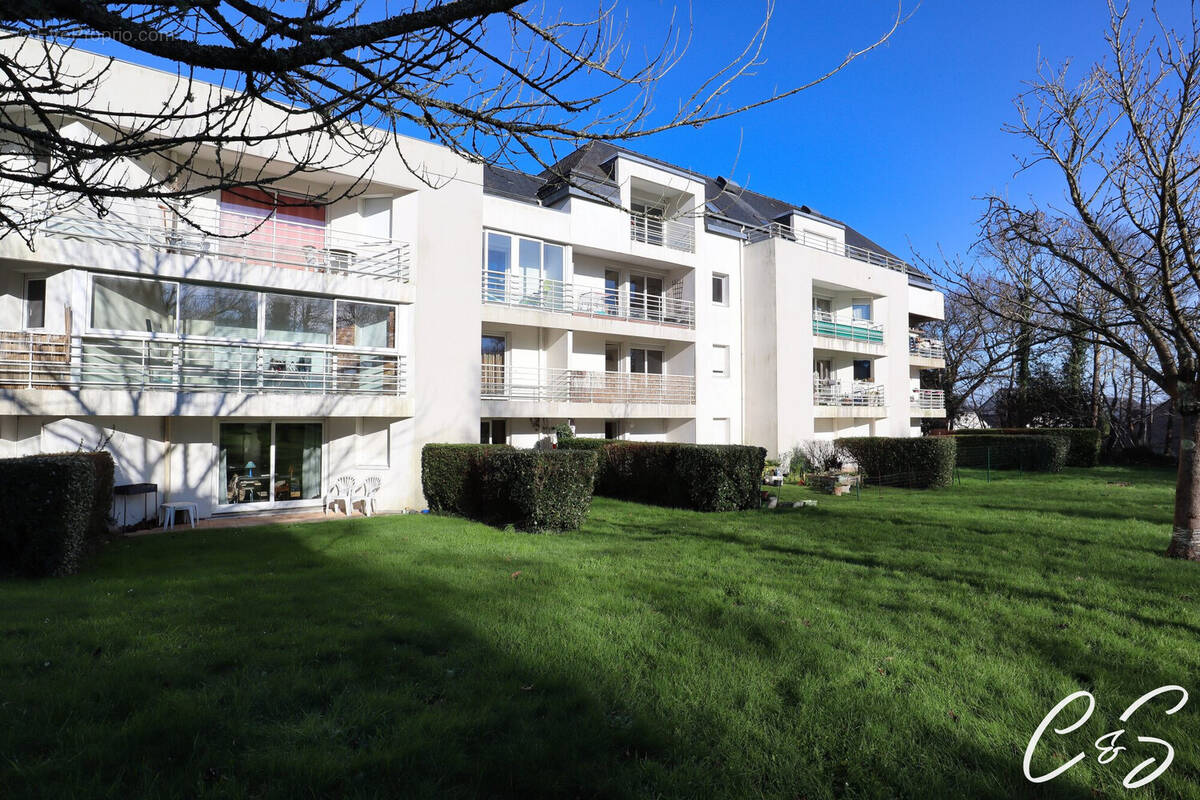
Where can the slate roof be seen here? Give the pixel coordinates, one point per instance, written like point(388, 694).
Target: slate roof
point(587, 170)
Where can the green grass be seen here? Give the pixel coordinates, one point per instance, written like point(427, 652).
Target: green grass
point(905, 644)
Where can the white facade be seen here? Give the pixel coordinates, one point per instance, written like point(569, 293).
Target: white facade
point(246, 374)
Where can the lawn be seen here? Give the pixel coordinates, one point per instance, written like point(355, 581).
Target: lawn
point(901, 644)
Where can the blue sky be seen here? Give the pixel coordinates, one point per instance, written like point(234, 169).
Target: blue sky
point(904, 141)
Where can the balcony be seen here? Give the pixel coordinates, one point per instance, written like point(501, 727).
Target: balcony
point(136, 364)
point(676, 234)
point(501, 288)
point(581, 386)
point(236, 237)
point(922, 348)
point(856, 394)
point(826, 323)
point(928, 403)
point(826, 244)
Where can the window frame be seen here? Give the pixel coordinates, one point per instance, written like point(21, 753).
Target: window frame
point(25, 302)
point(723, 279)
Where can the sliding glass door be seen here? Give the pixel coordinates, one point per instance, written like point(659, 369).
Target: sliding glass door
point(269, 464)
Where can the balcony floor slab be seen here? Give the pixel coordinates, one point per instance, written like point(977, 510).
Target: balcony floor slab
point(132, 402)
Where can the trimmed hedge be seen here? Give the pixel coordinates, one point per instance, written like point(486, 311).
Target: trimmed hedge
point(927, 461)
point(1030, 452)
point(701, 477)
point(451, 476)
point(533, 490)
point(1083, 444)
point(538, 490)
point(53, 511)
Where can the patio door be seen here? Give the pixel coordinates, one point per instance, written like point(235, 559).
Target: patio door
point(269, 465)
point(492, 372)
point(645, 297)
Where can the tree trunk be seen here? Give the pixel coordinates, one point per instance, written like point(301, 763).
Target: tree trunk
point(1096, 385)
point(1185, 539)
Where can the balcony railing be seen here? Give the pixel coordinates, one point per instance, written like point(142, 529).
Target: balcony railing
point(844, 327)
point(240, 238)
point(677, 234)
point(500, 382)
point(546, 295)
point(928, 400)
point(921, 345)
point(826, 243)
point(856, 393)
point(41, 361)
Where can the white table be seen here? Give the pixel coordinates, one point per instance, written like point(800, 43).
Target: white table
point(169, 509)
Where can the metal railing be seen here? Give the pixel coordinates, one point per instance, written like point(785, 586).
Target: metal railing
point(190, 364)
point(826, 323)
point(501, 382)
point(676, 234)
point(238, 237)
point(921, 345)
point(928, 400)
point(856, 393)
point(826, 243)
point(548, 295)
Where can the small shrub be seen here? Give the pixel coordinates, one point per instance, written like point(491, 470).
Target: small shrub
point(451, 476)
point(531, 490)
point(1031, 452)
point(538, 490)
point(821, 454)
point(563, 433)
point(1083, 444)
point(695, 476)
point(53, 511)
point(1142, 456)
point(928, 462)
point(794, 462)
point(591, 445)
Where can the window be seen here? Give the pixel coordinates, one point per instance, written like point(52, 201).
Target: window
point(720, 289)
point(822, 304)
point(493, 431)
point(291, 222)
point(301, 320)
point(645, 297)
point(612, 429)
point(862, 369)
point(492, 370)
point(612, 291)
point(129, 304)
point(35, 303)
point(721, 360)
point(721, 430)
point(822, 369)
point(644, 361)
point(861, 307)
point(270, 462)
point(612, 357)
point(365, 324)
point(215, 311)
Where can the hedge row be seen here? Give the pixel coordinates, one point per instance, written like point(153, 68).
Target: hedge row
point(929, 461)
point(1083, 444)
point(1030, 452)
point(532, 490)
point(53, 511)
point(702, 477)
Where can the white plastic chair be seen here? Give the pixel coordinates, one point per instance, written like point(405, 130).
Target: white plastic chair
point(342, 490)
point(368, 495)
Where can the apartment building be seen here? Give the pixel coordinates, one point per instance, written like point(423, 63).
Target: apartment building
point(247, 354)
point(709, 314)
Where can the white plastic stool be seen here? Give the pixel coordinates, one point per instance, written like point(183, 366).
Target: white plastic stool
point(169, 509)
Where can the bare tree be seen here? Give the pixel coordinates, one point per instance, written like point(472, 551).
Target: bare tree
point(1122, 139)
point(492, 80)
